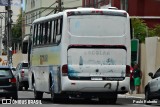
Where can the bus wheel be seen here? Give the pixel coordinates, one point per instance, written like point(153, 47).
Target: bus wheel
point(110, 100)
point(54, 97)
point(37, 95)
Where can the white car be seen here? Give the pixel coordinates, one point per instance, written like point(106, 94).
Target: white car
point(152, 89)
point(22, 75)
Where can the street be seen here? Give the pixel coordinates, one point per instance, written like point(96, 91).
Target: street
point(122, 101)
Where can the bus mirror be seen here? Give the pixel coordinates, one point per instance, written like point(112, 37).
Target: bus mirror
point(24, 47)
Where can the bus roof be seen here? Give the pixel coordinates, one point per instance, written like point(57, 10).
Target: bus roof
point(76, 10)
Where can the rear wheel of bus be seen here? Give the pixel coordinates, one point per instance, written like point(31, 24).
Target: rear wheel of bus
point(37, 95)
point(111, 99)
point(54, 97)
point(58, 97)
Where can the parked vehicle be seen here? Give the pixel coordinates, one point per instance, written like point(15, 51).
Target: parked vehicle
point(74, 56)
point(152, 89)
point(13, 70)
point(8, 86)
point(22, 75)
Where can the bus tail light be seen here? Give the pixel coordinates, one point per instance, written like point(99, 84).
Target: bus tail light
point(22, 73)
point(65, 70)
point(127, 71)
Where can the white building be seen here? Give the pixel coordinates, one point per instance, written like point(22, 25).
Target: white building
point(35, 9)
point(71, 3)
point(38, 8)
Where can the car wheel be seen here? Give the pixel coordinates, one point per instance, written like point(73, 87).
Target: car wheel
point(19, 88)
point(37, 95)
point(147, 97)
point(15, 97)
point(26, 88)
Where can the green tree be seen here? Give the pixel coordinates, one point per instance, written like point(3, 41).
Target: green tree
point(139, 28)
point(17, 28)
point(156, 30)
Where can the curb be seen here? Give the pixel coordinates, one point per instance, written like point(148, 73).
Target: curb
point(132, 96)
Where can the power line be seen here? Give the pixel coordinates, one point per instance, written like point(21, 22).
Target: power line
point(63, 7)
point(42, 11)
point(52, 11)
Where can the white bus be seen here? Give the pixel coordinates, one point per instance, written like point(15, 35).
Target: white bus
point(81, 53)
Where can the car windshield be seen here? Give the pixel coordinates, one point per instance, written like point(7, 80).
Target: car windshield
point(5, 72)
point(25, 65)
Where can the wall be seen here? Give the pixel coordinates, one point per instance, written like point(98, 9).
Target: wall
point(18, 57)
point(142, 61)
point(71, 3)
point(149, 58)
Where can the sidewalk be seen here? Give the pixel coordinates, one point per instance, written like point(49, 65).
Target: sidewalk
point(135, 95)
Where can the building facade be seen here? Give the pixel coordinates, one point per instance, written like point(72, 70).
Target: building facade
point(16, 9)
point(37, 8)
point(147, 10)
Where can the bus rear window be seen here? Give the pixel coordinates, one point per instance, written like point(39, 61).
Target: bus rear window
point(97, 25)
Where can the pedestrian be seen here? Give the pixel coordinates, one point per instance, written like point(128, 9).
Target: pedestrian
point(137, 75)
point(132, 87)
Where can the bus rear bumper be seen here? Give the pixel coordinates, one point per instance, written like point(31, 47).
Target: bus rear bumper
point(119, 87)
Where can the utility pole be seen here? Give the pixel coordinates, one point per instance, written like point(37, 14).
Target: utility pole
point(9, 33)
point(59, 5)
point(1, 36)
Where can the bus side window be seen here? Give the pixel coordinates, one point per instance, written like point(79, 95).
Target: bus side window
point(41, 32)
point(46, 33)
point(38, 34)
point(49, 32)
point(55, 31)
point(59, 30)
point(52, 32)
point(34, 34)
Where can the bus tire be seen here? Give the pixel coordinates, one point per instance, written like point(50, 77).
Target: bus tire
point(19, 87)
point(110, 100)
point(37, 95)
point(53, 97)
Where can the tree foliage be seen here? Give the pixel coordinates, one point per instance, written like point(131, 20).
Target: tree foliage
point(139, 29)
point(17, 28)
point(156, 30)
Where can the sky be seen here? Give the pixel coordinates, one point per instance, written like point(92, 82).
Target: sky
point(23, 5)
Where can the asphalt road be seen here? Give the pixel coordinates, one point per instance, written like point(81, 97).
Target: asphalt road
point(123, 101)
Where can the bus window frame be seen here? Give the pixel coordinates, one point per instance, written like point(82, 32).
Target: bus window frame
point(54, 33)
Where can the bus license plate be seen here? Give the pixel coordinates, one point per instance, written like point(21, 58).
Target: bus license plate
point(96, 78)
